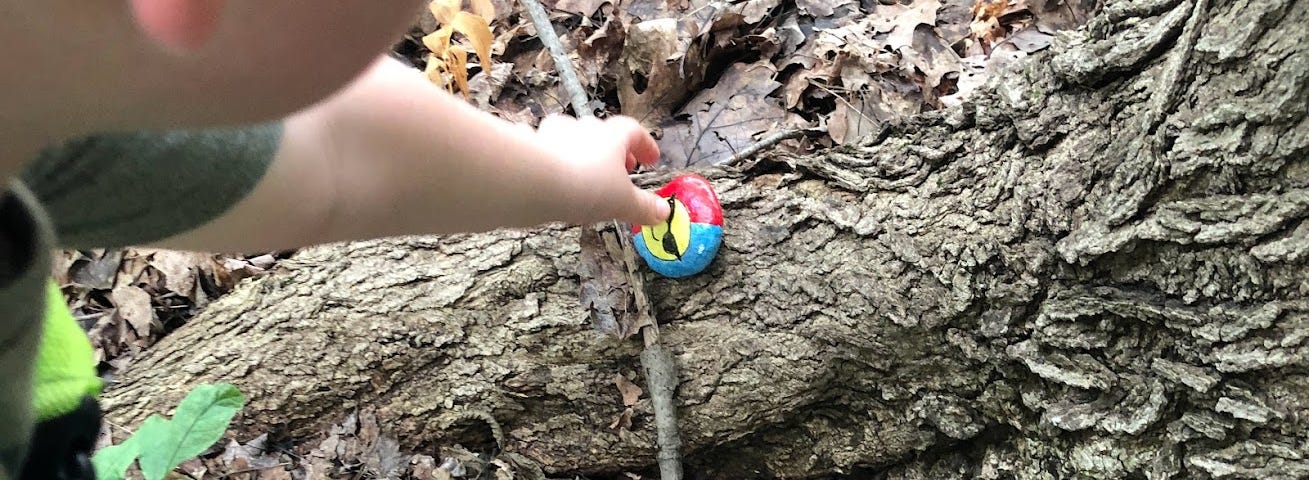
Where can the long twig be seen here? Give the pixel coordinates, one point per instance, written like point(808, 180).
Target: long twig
point(546, 32)
point(771, 140)
point(660, 371)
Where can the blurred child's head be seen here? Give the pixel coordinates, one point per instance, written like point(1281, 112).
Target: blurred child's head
point(144, 63)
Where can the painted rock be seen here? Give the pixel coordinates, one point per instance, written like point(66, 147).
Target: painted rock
point(687, 242)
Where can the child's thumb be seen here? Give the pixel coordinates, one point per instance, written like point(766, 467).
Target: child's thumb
point(650, 208)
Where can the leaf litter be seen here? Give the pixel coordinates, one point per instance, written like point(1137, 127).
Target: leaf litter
point(709, 77)
point(127, 299)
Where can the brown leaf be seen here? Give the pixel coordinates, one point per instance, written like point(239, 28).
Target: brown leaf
point(439, 40)
point(423, 467)
point(726, 118)
point(459, 67)
point(820, 8)
point(131, 268)
point(483, 8)
point(254, 455)
point(478, 32)
point(902, 20)
point(1056, 15)
point(972, 75)
point(598, 53)
point(629, 391)
point(604, 288)
point(752, 11)
point(486, 86)
point(180, 269)
point(99, 271)
point(133, 305)
point(444, 10)
point(385, 459)
point(931, 56)
point(651, 77)
point(585, 8)
point(865, 112)
point(623, 421)
point(62, 265)
point(952, 20)
point(789, 38)
point(1030, 40)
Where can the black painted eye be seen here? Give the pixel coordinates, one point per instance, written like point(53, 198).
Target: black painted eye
point(668, 240)
point(670, 245)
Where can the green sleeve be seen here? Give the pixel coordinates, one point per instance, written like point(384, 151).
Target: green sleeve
point(123, 189)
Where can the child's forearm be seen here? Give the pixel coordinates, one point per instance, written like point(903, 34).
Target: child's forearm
point(394, 155)
point(411, 158)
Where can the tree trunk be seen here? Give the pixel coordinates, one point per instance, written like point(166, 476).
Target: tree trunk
point(1097, 268)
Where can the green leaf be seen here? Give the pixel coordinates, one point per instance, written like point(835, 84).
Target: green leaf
point(154, 430)
point(200, 420)
point(111, 462)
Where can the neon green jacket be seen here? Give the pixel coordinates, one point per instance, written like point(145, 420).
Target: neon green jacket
point(65, 363)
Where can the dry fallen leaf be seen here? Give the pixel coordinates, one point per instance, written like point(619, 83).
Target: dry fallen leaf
point(821, 8)
point(651, 76)
point(931, 57)
point(623, 421)
point(900, 21)
point(606, 290)
point(628, 390)
point(865, 112)
point(1054, 15)
point(385, 460)
point(180, 269)
point(446, 58)
point(727, 118)
point(986, 20)
point(133, 305)
point(255, 455)
point(97, 272)
point(584, 8)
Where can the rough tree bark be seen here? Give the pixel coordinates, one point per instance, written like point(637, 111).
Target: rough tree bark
point(1097, 268)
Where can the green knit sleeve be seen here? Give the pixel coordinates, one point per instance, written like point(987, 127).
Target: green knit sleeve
point(65, 362)
point(132, 188)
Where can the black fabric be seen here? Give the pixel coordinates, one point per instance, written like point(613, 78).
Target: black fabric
point(26, 268)
point(62, 446)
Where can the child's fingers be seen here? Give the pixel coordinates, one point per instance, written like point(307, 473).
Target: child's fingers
point(650, 208)
point(640, 145)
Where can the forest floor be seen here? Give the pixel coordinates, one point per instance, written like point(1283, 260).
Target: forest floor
point(707, 78)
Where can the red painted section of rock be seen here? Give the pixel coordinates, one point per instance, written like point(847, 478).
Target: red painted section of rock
point(698, 195)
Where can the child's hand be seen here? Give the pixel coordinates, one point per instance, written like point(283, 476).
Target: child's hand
point(597, 155)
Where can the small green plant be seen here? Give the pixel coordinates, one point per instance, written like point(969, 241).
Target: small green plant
point(160, 444)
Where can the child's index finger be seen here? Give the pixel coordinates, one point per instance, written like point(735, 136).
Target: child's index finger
point(640, 145)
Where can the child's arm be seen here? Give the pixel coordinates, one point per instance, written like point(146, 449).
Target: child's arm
point(392, 154)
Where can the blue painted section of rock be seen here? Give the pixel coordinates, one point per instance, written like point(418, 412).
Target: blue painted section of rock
point(705, 240)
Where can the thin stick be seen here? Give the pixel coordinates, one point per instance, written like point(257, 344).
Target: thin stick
point(660, 371)
point(250, 470)
point(546, 32)
point(771, 140)
point(661, 379)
